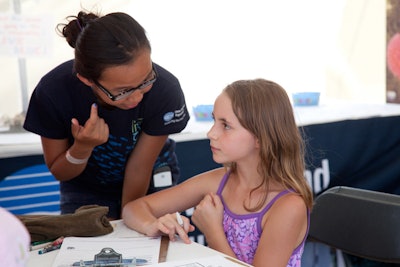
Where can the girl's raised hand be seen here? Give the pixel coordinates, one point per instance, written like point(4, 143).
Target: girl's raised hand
point(95, 131)
point(208, 214)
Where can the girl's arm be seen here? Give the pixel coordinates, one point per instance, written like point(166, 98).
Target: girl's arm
point(147, 217)
point(93, 133)
point(139, 168)
point(284, 229)
point(155, 214)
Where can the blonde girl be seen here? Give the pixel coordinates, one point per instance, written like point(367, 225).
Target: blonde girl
point(255, 208)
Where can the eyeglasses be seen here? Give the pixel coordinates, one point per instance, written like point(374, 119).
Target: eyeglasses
point(128, 92)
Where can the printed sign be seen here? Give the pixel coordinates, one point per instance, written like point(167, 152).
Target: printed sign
point(25, 35)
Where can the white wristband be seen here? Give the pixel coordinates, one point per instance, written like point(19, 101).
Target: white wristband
point(73, 160)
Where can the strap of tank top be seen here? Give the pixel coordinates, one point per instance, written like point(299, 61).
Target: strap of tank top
point(222, 183)
point(282, 193)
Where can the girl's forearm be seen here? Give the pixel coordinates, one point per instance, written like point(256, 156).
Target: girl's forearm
point(218, 241)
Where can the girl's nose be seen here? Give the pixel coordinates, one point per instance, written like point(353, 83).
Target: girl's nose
point(211, 133)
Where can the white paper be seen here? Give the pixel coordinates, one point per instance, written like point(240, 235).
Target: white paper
point(121, 230)
point(211, 261)
point(75, 249)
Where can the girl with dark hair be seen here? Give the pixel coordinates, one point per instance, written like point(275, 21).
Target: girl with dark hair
point(105, 116)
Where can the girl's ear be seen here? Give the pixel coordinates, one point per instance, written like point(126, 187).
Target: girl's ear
point(85, 80)
point(257, 143)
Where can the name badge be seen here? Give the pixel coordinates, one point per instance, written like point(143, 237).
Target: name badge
point(162, 177)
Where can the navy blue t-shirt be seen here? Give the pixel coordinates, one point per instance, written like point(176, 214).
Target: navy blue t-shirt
point(61, 96)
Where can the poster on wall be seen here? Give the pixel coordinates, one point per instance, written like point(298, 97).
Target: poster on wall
point(24, 36)
point(393, 51)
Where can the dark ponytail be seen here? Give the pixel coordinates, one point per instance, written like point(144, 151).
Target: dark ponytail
point(75, 26)
point(101, 42)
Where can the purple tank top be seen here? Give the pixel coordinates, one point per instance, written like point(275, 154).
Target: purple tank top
point(243, 231)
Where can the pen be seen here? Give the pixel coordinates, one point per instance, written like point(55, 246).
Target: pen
point(40, 244)
point(58, 241)
point(179, 219)
point(56, 244)
point(48, 249)
point(36, 243)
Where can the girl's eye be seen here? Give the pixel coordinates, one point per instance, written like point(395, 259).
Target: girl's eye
point(226, 126)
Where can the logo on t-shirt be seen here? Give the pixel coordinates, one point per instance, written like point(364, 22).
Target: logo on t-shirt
point(176, 116)
point(168, 116)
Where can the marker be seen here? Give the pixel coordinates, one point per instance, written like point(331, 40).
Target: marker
point(48, 249)
point(56, 244)
point(40, 245)
point(179, 219)
point(58, 241)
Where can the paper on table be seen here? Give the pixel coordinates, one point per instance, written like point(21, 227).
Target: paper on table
point(75, 249)
point(121, 230)
point(211, 261)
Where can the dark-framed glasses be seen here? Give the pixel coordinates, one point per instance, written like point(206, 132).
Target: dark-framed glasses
point(128, 92)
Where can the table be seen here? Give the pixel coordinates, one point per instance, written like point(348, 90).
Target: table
point(176, 250)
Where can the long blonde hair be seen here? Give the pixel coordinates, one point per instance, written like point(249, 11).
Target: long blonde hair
point(264, 109)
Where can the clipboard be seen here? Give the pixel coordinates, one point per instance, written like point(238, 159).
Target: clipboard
point(108, 257)
point(84, 252)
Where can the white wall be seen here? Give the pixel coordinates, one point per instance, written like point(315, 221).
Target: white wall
point(357, 72)
point(335, 47)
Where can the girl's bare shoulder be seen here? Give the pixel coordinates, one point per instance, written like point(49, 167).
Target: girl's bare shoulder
point(290, 205)
point(208, 180)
